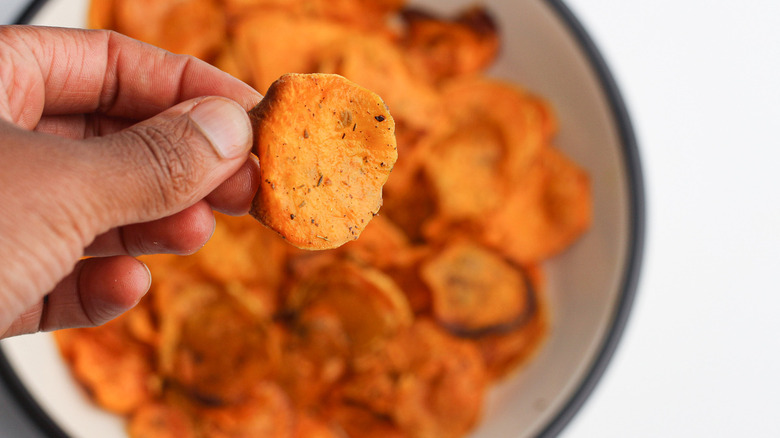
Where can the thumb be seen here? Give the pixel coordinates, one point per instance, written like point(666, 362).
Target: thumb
point(167, 163)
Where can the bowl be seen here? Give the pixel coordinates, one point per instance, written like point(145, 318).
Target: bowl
point(591, 286)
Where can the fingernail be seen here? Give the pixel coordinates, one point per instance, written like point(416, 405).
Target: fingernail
point(225, 124)
point(149, 274)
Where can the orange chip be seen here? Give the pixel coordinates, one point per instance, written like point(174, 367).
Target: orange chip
point(467, 171)
point(101, 14)
point(441, 49)
point(116, 369)
point(366, 14)
point(475, 291)
point(192, 27)
point(511, 114)
point(265, 411)
point(326, 147)
point(409, 204)
point(239, 252)
point(161, 420)
point(318, 344)
point(427, 381)
point(228, 60)
point(296, 46)
point(504, 353)
point(545, 212)
point(367, 302)
point(308, 426)
point(493, 135)
point(205, 332)
point(358, 421)
point(379, 245)
point(375, 62)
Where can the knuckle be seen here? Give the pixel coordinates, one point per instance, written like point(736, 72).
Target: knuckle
point(173, 167)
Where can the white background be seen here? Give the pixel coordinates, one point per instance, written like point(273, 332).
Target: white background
point(701, 353)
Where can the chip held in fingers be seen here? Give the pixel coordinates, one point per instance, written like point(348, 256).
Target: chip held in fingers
point(326, 147)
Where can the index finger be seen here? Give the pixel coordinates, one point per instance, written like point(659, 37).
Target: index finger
point(87, 71)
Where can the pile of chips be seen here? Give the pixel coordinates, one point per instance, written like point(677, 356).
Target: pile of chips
point(399, 333)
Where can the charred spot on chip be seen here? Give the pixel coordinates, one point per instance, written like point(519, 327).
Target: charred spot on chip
point(380, 118)
point(346, 117)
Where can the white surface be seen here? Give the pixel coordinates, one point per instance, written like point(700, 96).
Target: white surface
point(701, 355)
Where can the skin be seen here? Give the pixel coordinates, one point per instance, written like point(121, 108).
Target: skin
point(108, 149)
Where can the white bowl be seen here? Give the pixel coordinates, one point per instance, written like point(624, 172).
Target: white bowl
point(591, 286)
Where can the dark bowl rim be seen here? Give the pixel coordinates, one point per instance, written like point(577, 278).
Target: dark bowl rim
point(628, 284)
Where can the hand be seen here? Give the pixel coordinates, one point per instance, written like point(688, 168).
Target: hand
point(108, 149)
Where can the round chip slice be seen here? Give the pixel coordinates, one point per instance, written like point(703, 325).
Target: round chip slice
point(326, 147)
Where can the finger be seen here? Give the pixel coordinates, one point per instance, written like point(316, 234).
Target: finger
point(234, 196)
point(166, 164)
point(67, 71)
point(80, 126)
point(182, 233)
point(97, 291)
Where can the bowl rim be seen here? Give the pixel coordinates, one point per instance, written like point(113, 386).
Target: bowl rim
point(628, 283)
point(636, 215)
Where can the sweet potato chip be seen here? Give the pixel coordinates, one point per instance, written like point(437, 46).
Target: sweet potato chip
point(545, 213)
point(364, 14)
point(101, 14)
point(410, 204)
point(238, 252)
point(308, 426)
point(429, 383)
point(229, 61)
point(264, 412)
point(475, 291)
point(375, 62)
point(161, 420)
point(379, 245)
point(326, 147)
point(319, 346)
point(467, 174)
point(439, 49)
point(203, 334)
point(493, 135)
point(116, 369)
point(191, 27)
point(368, 303)
point(296, 46)
point(509, 112)
point(405, 272)
point(358, 421)
point(504, 353)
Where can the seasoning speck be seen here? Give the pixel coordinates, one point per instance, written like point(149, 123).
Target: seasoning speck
point(380, 118)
